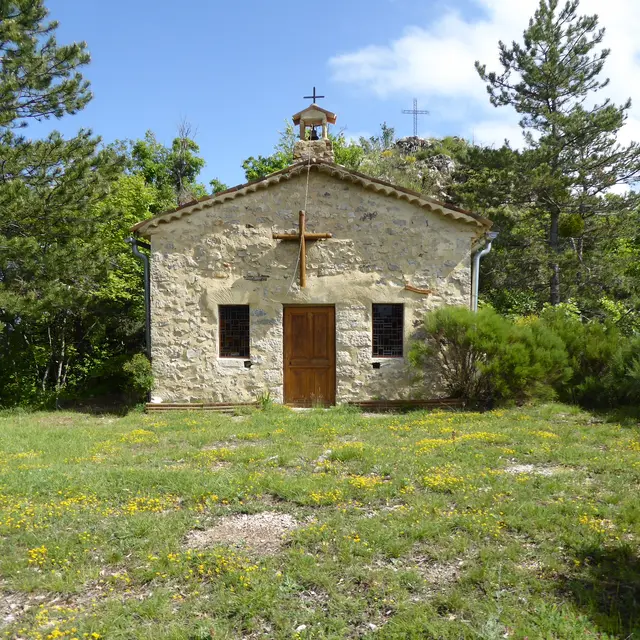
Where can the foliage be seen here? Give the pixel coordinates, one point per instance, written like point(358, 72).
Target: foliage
point(484, 358)
point(599, 264)
point(423, 165)
point(171, 170)
point(347, 153)
point(572, 155)
point(626, 374)
point(265, 401)
point(139, 374)
point(71, 303)
point(217, 186)
point(603, 362)
point(281, 158)
point(379, 143)
point(50, 263)
point(38, 78)
point(256, 168)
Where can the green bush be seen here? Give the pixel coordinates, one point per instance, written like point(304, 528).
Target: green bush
point(485, 358)
point(598, 356)
point(139, 375)
point(626, 373)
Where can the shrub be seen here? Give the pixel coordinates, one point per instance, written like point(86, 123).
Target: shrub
point(626, 372)
point(598, 356)
point(484, 358)
point(138, 373)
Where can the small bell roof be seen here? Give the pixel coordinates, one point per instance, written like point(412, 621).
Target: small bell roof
point(314, 114)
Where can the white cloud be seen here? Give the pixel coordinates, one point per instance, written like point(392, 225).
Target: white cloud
point(435, 62)
point(495, 132)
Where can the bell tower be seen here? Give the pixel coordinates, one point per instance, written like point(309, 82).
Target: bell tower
point(313, 123)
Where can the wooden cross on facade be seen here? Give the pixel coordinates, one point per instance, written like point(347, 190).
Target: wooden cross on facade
point(302, 236)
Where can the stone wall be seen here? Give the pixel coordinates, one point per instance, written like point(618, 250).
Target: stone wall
point(318, 149)
point(225, 254)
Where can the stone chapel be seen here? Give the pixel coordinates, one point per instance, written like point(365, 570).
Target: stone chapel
point(306, 285)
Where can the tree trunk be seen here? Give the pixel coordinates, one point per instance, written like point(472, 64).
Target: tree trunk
point(61, 360)
point(45, 377)
point(554, 266)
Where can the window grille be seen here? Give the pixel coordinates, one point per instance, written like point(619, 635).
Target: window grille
point(388, 320)
point(234, 331)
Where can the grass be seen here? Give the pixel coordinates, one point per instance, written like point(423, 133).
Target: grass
point(509, 524)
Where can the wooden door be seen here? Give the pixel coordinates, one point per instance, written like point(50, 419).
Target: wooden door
point(309, 356)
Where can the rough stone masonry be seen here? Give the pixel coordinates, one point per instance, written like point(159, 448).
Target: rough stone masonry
point(225, 254)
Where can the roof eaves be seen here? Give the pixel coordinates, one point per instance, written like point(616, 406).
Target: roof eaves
point(380, 186)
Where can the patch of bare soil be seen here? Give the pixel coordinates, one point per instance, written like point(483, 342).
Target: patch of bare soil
point(13, 605)
point(374, 513)
point(438, 574)
point(219, 465)
point(531, 564)
point(533, 469)
point(260, 532)
point(314, 600)
point(220, 445)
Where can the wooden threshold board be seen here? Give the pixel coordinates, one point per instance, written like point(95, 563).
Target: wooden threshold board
point(219, 407)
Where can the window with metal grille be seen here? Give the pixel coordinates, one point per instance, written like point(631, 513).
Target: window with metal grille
point(388, 322)
point(234, 331)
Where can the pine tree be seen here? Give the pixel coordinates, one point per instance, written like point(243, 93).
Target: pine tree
point(573, 154)
point(50, 259)
point(38, 78)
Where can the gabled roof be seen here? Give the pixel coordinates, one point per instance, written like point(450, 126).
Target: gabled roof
point(331, 117)
point(329, 168)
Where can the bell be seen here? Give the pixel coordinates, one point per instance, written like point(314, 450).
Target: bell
point(314, 134)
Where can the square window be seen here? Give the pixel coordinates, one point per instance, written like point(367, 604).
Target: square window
point(388, 332)
point(234, 330)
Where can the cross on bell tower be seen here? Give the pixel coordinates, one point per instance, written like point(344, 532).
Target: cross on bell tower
point(314, 97)
point(311, 145)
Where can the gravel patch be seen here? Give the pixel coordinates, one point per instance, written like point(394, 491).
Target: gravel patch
point(220, 445)
point(533, 469)
point(438, 574)
point(261, 532)
point(14, 605)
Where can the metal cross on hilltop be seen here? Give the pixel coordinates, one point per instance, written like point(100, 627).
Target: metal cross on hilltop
point(313, 97)
point(415, 112)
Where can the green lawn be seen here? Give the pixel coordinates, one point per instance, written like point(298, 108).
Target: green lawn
point(510, 524)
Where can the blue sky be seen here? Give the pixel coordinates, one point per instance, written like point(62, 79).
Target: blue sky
point(237, 70)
